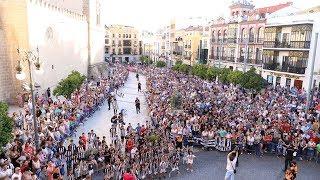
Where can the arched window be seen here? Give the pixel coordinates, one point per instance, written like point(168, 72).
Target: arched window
point(213, 36)
point(243, 34)
point(219, 35)
point(225, 35)
point(260, 35)
point(251, 35)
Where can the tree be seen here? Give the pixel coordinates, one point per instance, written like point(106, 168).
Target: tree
point(6, 125)
point(223, 75)
point(178, 62)
point(199, 70)
point(235, 77)
point(212, 73)
point(68, 85)
point(146, 60)
point(160, 64)
point(252, 80)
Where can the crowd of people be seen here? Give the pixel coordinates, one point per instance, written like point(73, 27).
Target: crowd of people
point(57, 119)
point(271, 121)
point(181, 108)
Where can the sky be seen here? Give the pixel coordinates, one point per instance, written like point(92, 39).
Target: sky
point(153, 14)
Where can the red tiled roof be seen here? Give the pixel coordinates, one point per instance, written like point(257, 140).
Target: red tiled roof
point(271, 9)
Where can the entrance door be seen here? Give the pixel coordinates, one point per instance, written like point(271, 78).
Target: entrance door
point(298, 84)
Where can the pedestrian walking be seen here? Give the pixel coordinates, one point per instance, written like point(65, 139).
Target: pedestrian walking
point(139, 87)
point(137, 102)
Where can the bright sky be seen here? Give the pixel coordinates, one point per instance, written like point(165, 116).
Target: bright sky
point(153, 14)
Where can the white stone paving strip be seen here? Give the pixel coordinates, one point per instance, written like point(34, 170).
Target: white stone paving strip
point(100, 120)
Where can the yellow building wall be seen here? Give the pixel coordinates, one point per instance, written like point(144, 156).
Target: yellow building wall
point(13, 34)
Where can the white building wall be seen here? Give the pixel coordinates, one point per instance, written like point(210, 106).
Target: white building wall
point(97, 30)
point(62, 42)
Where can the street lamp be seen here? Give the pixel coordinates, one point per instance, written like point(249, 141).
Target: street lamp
point(30, 58)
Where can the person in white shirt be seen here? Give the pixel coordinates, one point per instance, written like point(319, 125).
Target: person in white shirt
point(190, 158)
point(17, 174)
point(231, 165)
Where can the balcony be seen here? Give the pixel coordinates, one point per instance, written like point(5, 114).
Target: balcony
point(284, 44)
point(286, 67)
point(230, 59)
point(271, 66)
point(232, 40)
point(300, 44)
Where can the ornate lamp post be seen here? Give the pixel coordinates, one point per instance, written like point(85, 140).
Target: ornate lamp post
point(30, 58)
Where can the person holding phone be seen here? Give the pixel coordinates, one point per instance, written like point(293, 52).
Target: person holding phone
point(231, 165)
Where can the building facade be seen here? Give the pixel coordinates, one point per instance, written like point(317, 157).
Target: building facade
point(41, 24)
point(122, 43)
point(237, 41)
point(288, 50)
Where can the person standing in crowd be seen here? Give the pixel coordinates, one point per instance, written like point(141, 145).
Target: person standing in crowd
point(139, 87)
point(231, 165)
point(128, 175)
point(109, 99)
point(137, 76)
point(190, 158)
point(48, 92)
point(288, 157)
point(115, 105)
point(137, 102)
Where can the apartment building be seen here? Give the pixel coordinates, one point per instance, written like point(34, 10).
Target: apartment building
point(122, 43)
point(237, 41)
point(288, 50)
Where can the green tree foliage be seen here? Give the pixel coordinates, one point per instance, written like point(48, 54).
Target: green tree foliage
point(252, 80)
point(235, 77)
point(6, 125)
point(161, 64)
point(223, 75)
point(145, 60)
point(248, 80)
point(199, 70)
point(68, 85)
point(212, 73)
point(178, 62)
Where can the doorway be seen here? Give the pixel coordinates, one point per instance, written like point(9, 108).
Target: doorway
point(298, 84)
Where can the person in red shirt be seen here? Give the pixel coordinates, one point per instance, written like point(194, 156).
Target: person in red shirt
point(130, 144)
point(128, 175)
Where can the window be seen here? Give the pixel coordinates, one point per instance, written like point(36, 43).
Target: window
point(135, 36)
point(113, 35)
point(119, 35)
point(251, 35)
point(219, 35)
point(288, 82)
point(270, 79)
point(225, 34)
point(129, 35)
point(278, 81)
point(243, 34)
point(106, 41)
point(260, 34)
point(123, 35)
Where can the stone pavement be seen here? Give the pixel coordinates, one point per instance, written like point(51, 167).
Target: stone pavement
point(210, 165)
point(100, 120)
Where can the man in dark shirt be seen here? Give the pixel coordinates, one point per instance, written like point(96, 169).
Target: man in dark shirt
point(109, 101)
point(139, 86)
point(288, 157)
point(137, 101)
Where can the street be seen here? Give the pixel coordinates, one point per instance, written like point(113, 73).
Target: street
point(100, 120)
